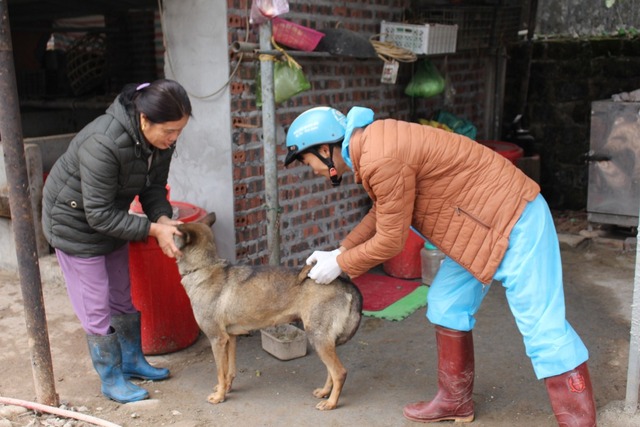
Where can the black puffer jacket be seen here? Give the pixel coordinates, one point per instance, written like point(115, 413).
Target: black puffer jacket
point(91, 186)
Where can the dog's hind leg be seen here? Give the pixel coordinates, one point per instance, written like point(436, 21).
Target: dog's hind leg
point(323, 392)
point(337, 374)
point(219, 346)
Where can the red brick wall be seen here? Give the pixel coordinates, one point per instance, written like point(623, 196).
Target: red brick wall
point(314, 214)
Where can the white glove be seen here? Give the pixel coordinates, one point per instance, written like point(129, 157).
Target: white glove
point(326, 269)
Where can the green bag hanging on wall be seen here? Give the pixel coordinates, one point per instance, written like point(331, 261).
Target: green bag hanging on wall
point(426, 82)
point(288, 79)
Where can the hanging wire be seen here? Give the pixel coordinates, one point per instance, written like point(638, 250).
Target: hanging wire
point(269, 57)
point(170, 62)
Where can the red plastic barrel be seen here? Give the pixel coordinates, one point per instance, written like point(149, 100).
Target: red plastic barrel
point(407, 264)
point(509, 150)
point(167, 322)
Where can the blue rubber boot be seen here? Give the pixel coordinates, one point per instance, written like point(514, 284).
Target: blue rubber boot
point(107, 360)
point(134, 365)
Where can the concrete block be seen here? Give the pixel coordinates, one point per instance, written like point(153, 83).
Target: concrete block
point(571, 240)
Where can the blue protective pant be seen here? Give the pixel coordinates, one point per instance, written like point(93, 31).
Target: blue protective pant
point(531, 273)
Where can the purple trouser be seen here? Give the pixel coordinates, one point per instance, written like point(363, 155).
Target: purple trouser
point(98, 287)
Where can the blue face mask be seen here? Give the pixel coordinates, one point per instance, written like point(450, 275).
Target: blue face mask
point(356, 118)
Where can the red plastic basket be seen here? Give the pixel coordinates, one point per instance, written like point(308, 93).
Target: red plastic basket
point(295, 36)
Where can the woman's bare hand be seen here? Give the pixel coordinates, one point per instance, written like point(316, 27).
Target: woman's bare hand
point(164, 233)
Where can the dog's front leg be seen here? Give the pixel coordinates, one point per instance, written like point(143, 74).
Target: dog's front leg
point(219, 346)
point(231, 357)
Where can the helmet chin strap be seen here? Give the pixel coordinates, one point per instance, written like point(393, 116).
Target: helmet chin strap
point(333, 173)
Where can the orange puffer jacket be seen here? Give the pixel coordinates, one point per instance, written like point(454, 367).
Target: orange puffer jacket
point(464, 197)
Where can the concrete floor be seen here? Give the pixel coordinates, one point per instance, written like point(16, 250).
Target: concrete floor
point(389, 363)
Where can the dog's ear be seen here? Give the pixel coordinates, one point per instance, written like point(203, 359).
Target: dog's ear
point(210, 219)
point(184, 239)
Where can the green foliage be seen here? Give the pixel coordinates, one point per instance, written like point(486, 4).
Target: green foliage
point(623, 30)
point(629, 32)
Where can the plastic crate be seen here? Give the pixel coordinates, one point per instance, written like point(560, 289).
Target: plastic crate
point(424, 39)
point(295, 36)
point(285, 342)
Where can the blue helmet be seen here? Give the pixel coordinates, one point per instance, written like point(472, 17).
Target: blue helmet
point(316, 126)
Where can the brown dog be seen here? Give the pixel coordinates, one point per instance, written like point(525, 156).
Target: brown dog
point(233, 300)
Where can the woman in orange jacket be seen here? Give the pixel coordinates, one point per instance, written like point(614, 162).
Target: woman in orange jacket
point(479, 209)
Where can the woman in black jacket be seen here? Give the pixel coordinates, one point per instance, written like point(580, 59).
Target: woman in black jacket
point(123, 153)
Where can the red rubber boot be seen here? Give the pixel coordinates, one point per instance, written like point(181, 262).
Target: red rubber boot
point(571, 396)
point(453, 402)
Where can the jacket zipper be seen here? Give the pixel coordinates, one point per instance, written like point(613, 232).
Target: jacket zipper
point(149, 163)
point(460, 211)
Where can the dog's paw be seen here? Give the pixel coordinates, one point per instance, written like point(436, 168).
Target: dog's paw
point(325, 405)
point(215, 397)
point(217, 387)
point(321, 393)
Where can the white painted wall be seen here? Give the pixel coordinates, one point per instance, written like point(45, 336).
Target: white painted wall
point(197, 56)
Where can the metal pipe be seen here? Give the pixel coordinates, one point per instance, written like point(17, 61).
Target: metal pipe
point(243, 47)
point(633, 370)
point(500, 76)
point(238, 47)
point(22, 219)
point(269, 147)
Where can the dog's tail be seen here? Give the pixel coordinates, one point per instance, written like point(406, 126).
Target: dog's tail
point(302, 276)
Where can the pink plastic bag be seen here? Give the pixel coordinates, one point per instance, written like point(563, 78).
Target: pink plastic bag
point(263, 10)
